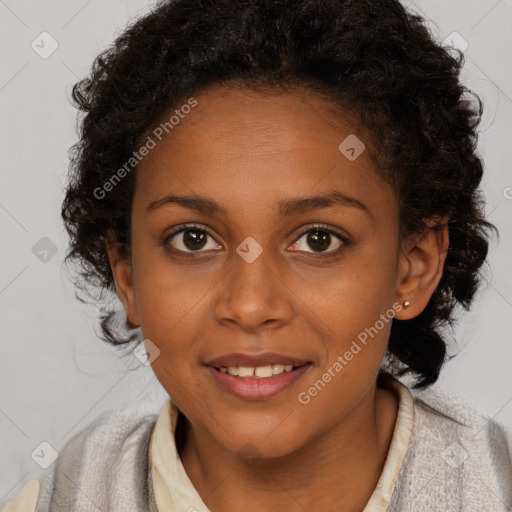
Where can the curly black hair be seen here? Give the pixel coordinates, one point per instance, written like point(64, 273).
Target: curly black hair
point(373, 58)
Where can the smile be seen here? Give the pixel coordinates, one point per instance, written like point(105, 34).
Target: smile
point(257, 383)
point(258, 372)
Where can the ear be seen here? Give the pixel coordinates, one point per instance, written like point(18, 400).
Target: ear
point(123, 279)
point(421, 267)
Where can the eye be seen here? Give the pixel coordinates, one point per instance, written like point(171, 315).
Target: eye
point(190, 238)
point(320, 238)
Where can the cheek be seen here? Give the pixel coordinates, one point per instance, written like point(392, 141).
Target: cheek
point(168, 296)
point(354, 347)
point(353, 294)
point(353, 309)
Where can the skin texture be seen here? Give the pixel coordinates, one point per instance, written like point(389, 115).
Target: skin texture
point(248, 151)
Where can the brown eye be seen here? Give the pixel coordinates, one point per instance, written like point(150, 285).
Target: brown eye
point(320, 239)
point(194, 239)
point(190, 239)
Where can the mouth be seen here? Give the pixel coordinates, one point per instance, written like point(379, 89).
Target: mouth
point(258, 372)
point(256, 360)
point(256, 381)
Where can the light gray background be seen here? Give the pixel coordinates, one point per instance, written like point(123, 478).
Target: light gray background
point(55, 375)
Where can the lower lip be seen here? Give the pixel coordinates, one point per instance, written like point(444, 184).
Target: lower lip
point(257, 389)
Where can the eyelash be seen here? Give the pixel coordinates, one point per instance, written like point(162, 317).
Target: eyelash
point(320, 227)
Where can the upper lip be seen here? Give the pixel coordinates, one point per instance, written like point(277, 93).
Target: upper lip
point(261, 359)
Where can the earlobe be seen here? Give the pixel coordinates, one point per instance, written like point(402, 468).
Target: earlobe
point(421, 268)
point(123, 280)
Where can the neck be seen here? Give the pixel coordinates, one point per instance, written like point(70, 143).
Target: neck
point(342, 466)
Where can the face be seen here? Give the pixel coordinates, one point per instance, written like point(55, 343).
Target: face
point(256, 267)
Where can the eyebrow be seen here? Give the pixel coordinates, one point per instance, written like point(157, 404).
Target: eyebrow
point(285, 207)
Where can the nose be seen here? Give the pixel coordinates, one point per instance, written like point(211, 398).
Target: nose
point(254, 295)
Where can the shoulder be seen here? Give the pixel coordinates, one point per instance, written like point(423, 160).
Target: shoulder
point(100, 458)
point(26, 499)
point(442, 417)
point(458, 456)
point(112, 429)
point(110, 436)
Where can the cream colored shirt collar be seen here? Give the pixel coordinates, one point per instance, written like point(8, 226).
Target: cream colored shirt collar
point(174, 491)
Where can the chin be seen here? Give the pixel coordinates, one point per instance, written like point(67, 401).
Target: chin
point(256, 444)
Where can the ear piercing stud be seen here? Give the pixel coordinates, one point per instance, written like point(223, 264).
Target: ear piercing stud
point(407, 304)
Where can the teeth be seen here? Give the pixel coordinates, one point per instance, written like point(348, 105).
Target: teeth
point(277, 369)
point(245, 371)
point(263, 371)
point(258, 372)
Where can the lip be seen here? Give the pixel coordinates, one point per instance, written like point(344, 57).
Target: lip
point(249, 388)
point(253, 360)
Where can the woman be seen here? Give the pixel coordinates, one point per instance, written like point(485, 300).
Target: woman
point(284, 196)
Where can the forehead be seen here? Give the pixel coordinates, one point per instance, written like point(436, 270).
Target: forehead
point(248, 149)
